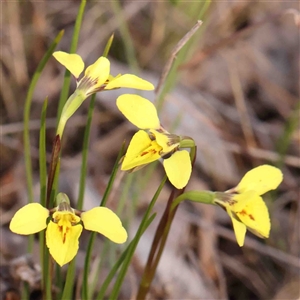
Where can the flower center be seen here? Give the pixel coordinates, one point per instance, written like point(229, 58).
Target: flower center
point(65, 220)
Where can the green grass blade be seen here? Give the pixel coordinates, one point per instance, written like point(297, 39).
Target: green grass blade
point(67, 78)
point(108, 46)
point(116, 289)
point(127, 40)
point(44, 255)
point(85, 153)
point(117, 265)
point(42, 155)
point(69, 285)
point(93, 234)
point(27, 106)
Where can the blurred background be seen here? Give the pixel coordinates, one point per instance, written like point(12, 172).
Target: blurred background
point(234, 88)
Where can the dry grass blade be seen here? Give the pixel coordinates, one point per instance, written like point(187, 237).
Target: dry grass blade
point(176, 49)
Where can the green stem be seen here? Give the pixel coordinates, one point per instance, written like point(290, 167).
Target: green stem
point(86, 139)
point(93, 234)
point(116, 289)
point(68, 289)
point(27, 106)
point(115, 268)
point(160, 238)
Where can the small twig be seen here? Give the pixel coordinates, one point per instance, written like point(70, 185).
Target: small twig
point(176, 49)
point(198, 58)
point(240, 102)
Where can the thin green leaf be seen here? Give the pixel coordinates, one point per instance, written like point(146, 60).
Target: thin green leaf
point(69, 285)
point(42, 155)
point(27, 106)
point(119, 262)
point(126, 37)
point(116, 289)
point(85, 147)
point(108, 46)
point(93, 234)
point(67, 78)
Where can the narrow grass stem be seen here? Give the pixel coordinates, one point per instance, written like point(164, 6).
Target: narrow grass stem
point(85, 147)
point(67, 79)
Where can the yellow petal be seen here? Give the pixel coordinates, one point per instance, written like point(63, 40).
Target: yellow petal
point(255, 216)
point(168, 142)
point(139, 111)
point(73, 62)
point(261, 179)
point(98, 71)
point(141, 150)
point(63, 250)
point(178, 168)
point(106, 222)
point(239, 229)
point(29, 219)
point(130, 81)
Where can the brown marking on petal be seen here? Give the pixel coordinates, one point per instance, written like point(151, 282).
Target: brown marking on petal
point(152, 151)
point(251, 217)
point(244, 213)
point(64, 234)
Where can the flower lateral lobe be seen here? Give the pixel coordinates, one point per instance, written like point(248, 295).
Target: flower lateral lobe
point(95, 76)
point(129, 81)
point(29, 219)
point(178, 168)
point(106, 222)
point(141, 151)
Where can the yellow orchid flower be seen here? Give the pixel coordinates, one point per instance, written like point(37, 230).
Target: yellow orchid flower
point(245, 205)
point(96, 76)
point(153, 142)
point(65, 226)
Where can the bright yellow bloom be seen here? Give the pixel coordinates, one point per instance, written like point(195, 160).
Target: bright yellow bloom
point(65, 226)
point(153, 142)
point(96, 76)
point(245, 205)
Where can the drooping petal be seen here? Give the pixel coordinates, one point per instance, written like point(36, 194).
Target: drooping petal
point(106, 222)
point(139, 111)
point(238, 227)
point(178, 168)
point(261, 179)
point(255, 216)
point(141, 150)
point(98, 71)
point(72, 62)
point(130, 81)
point(29, 219)
point(63, 250)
